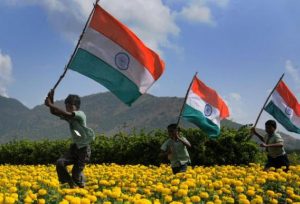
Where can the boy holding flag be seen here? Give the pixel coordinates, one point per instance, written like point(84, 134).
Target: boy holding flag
point(175, 149)
point(273, 143)
point(80, 151)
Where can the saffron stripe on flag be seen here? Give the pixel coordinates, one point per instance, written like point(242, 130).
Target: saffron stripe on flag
point(210, 96)
point(288, 97)
point(107, 50)
point(106, 24)
point(197, 103)
point(283, 106)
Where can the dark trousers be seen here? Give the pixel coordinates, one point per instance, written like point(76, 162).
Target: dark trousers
point(278, 162)
point(181, 168)
point(77, 157)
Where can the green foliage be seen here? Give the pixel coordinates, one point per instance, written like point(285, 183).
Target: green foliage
point(32, 152)
point(232, 147)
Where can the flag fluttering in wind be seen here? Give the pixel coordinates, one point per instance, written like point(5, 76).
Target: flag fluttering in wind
point(285, 108)
point(115, 57)
point(205, 108)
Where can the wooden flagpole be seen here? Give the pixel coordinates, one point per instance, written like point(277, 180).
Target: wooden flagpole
point(186, 95)
point(267, 101)
point(75, 50)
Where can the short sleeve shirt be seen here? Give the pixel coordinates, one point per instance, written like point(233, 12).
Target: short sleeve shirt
point(81, 135)
point(178, 152)
point(274, 139)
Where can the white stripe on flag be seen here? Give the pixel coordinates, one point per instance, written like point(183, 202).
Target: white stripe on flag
point(105, 49)
point(281, 104)
point(197, 103)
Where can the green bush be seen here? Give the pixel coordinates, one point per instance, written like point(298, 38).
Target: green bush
point(232, 147)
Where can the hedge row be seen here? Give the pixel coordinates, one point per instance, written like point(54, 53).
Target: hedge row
point(232, 147)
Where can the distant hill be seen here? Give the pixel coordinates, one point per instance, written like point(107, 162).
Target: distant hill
point(105, 114)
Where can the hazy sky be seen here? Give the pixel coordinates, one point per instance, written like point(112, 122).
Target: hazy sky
point(239, 48)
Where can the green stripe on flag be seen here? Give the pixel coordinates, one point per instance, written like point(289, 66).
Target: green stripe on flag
point(273, 110)
point(98, 70)
point(196, 117)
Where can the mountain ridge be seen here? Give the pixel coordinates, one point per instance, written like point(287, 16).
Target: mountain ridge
point(105, 114)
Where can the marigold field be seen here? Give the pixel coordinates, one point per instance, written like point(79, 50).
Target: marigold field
point(141, 184)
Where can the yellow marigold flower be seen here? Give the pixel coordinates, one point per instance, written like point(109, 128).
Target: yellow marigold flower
point(239, 189)
point(186, 199)
point(248, 180)
point(166, 191)
point(15, 196)
point(42, 192)
point(64, 202)
point(242, 196)
point(92, 198)
point(274, 201)
point(256, 201)
point(175, 182)
point(75, 200)
point(230, 200)
point(182, 192)
point(8, 200)
point(28, 199)
point(270, 193)
point(41, 201)
point(133, 190)
point(85, 201)
point(219, 192)
point(204, 195)
point(183, 186)
point(195, 199)
point(133, 185)
point(174, 188)
point(82, 191)
point(168, 198)
point(103, 182)
point(290, 192)
point(244, 201)
point(159, 188)
point(13, 189)
point(25, 184)
point(156, 201)
point(143, 201)
point(112, 182)
point(192, 183)
point(250, 192)
point(261, 181)
point(33, 196)
point(217, 201)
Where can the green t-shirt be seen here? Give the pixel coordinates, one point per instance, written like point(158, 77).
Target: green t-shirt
point(81, 135)
point(178, 152)
point(273, 139)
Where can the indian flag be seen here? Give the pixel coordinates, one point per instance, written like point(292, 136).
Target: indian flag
point(205, 108)
point(285, 108)
point(115, 57)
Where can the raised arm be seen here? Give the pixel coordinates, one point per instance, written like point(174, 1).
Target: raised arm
point(253, 131)
point(56, 110)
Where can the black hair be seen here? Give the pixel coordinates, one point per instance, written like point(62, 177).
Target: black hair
point(271, 123)
point(173, 126)
point(73, 100)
